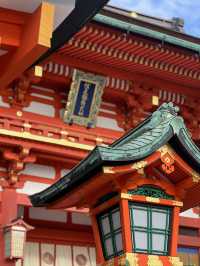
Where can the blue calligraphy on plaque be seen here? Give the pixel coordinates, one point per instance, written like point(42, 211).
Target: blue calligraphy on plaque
point(84, 99)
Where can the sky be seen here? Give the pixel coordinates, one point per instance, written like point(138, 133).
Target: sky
point(189, 10)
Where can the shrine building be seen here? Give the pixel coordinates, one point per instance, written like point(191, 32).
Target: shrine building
point(99, 138)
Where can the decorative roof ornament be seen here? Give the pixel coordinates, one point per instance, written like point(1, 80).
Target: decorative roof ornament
point(169, 107)
point(164, 112)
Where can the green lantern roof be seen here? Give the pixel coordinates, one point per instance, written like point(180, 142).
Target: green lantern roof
point(162, 127)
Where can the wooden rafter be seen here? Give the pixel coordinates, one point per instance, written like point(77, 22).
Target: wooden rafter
point(35, 40)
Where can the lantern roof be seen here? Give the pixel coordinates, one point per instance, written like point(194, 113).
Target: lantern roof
point(164, 126)
point(19, 222)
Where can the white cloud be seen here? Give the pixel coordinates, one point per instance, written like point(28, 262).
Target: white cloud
point(186, 9)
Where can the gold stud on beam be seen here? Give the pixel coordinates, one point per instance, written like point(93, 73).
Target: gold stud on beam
point(133, 14)
point(155, 100)
point(38, 71)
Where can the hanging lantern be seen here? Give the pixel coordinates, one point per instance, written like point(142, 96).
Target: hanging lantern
point(15, 238)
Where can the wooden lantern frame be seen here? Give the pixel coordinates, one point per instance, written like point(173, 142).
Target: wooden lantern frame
point(122, 200)
point(15, 226)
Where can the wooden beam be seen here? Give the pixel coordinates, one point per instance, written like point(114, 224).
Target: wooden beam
point(136, 77)
point(36, 40)
point(11, 26)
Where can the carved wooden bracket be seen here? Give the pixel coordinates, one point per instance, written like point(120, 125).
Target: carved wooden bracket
point(16, 162)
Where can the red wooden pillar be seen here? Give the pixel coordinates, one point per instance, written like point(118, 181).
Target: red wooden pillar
point(8, 213)
point(175, 229)
point(125, 221)
point(99, 251)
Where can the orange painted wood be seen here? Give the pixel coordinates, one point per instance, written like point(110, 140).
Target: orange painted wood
point(34, 42)
point(23, 199)
point(99, 251)
point(10, 35)
point(101, 68)
point(8, 213)
point(174, 233)
point(61, 236)
point(141, 198)
point(189, 241)
point(108, 204)
point(126, 226)
point(11, 26)
point(189, 222)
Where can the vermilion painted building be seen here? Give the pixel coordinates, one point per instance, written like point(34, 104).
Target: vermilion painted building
point(127, 64)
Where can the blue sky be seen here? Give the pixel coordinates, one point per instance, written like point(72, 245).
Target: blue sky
point(189, 10)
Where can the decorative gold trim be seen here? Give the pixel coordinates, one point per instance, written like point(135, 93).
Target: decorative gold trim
point(99, 140)
point(38, 71)
point(139, 165)
point(124, 260)
point(155, 100)
point(60, 142)
point(133, 14)
point(166, 149)
point(132, 259)
point(151, 199)
point(175, 261)
point(27, 125)
point(88, 79)
point(108, 170)
point(154, 260)
point(195, 177)
point(177, 203)
point(64, 133)
point(126, 196)
point(19, 113)
point(111, 262)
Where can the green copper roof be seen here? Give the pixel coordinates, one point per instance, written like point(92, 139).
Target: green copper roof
point(147, 32)
point(163, 126)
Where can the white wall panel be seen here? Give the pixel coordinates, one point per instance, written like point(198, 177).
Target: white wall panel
point(64, 172)
point(92, 253)
point(32, 188)
point(42, 88)
point(3, 104)
point(39, 170)
point(32, 257)
point(47, 255)
point(42, 96)
point(18, 263)
point(189, 213)
point(81, 256)
point(40, 108)
point(47, 215)
point(63, 255)
point(81, 218)
point(43, 254)
point(109, 123)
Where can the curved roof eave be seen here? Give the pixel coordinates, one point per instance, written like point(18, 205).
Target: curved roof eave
point(163, 37)
point(163, 126)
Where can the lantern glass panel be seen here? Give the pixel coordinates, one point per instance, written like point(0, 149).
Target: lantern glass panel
point(118, 241)
point(139, 217)
point(141, 240)
point(159, 219)
point(151, 228)
point(105, 225)
point(116, 220)
point(109, 246)
point(158, 242)
point(111, 232)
